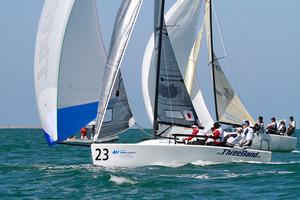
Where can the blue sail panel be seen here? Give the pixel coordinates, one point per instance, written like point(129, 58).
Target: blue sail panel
point(71, 119)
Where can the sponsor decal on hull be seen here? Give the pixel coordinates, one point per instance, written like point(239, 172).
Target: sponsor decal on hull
point(240, 153)
point(123, 153)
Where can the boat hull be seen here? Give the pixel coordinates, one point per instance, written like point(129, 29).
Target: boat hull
point(164, 153)
point(274, 143)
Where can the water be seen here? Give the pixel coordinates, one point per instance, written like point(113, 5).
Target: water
point(29, 169)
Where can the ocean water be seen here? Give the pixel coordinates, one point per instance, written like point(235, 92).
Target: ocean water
point(29, 169)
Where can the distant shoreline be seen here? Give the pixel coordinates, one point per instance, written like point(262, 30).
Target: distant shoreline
point(20, 127)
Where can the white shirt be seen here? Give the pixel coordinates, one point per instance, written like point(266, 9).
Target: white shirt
point(248, 133)
point(292, 124)
point(234, 140)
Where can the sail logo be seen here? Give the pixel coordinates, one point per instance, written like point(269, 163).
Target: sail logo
point(241, 153)
point(115, 151)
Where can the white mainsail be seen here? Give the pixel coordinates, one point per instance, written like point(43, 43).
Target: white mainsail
point(181, 22)
point(69, 65)
point(123, 27)
point(229, 106)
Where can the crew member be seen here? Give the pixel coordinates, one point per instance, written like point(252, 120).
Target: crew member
point(247, 136)
point(216, 136)
point(259, 125)
point(272, 127)
point(292, 126)
point(282, 128)
point(83, 131)
point(231, 139)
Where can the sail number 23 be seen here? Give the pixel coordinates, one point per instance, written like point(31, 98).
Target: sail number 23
point(102, 154)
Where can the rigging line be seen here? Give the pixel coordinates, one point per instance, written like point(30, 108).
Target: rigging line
point(224, 49)
point(250, 58)
point(142, 129)
point(219, 30)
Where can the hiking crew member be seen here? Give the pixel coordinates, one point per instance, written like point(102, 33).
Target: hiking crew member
point(194, 133)
point(259, 125)
point(247, 135)
point(272, 127)
point(292, 126)
point(217, 134)
point(231, 139)
point(282, 128)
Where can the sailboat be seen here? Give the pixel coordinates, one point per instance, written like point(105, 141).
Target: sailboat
point(72, 69)
point(172, 107)
point(228, 106)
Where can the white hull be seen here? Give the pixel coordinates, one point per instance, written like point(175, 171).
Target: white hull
point(276, 143)
point(161, 152)
point(88, 142)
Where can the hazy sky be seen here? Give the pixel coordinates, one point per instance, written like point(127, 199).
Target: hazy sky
point(261, 40)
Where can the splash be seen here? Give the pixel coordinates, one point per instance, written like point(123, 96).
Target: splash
point(121, 180)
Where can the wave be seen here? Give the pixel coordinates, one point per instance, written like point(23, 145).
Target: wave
point(121, 180)
point(205, 163)
point(231, 175)
point(295, 151)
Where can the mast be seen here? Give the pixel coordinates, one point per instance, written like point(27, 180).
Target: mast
point(159, 28)
point(212, 59)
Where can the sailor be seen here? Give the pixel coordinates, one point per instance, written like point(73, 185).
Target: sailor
point(272, 127)
point(195, 131)
point(292, 126)
point(282, 128)
point(83, 131)
point(92, 132)
point(259, 125)
point(231, 139)
point(217, 135)
point(247, 135)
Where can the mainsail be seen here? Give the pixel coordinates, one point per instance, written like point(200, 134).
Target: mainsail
point(230, 109)
point(123, 27)
point(181, 22)
point(173, 103)
point(69, 65)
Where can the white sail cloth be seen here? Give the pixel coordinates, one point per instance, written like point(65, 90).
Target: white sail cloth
point(69, 65)
point(124, 23)
point(181, 21)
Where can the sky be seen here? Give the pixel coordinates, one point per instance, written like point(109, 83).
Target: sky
point(262, 62)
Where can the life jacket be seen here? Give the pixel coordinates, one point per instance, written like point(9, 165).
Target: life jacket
point(195, 132)
point(218, 136)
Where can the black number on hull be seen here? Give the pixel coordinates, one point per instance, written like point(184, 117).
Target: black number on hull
point(98, 157)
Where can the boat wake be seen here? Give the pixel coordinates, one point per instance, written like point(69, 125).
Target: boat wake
point(121, 180)
point(231, 175)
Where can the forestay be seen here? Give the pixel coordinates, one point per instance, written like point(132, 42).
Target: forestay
point(69, 65)
point(124, 23)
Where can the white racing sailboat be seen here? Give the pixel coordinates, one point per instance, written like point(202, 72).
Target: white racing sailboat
point(230, 109)
point(228, 106)
point(173, 107)
point(72, 70)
